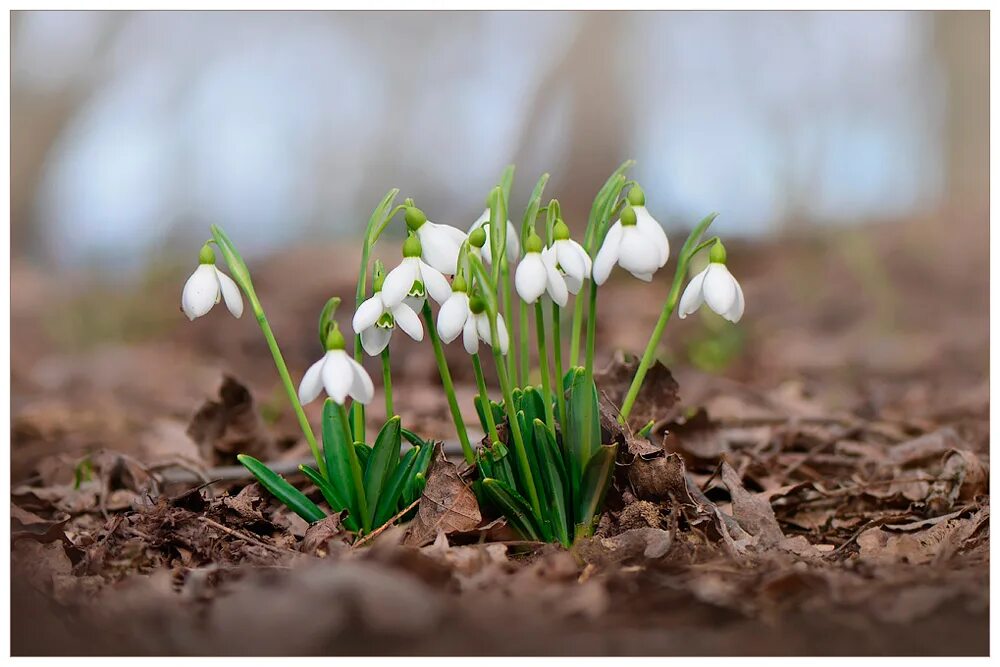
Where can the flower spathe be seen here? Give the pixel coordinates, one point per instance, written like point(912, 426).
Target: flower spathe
point(513, 245)
point(376, 321)
point(631, 247)
point(205, 288)
point(340, 375)
point(717, 287)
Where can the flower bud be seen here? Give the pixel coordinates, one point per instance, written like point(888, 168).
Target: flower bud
point(717, 254)
point(411, 247)
point(636, 197)
point(415, 218)
point(206, 255)
point(628, 217)
point(476, 304)
point(478, 237)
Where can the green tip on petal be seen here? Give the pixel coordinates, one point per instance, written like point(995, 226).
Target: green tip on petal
point(335, 339)
point(718, 253)
point(533, 243)
point(206, 255)
point(636, 197)
point(415, 218)
point(476, 304)
point(458, 284)
point(628, 216)
point(561, 230)
point(411, 247)
point(378, 275)
point(478, 237)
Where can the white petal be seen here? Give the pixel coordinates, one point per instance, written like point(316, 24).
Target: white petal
point(572, 258)
point(312, 382)
point(452, 316)
point(637, 254)
point(408, 321)
point(555, 284)
point(654, 231)
point(362, 389)
point(436, 284)
point(483, 328)
point(398, 282)
point(416, 303)
point(480, 221)
point(573, 284)
point(338, 375)
point(375, 339)
point(736, 312)
point(692, 298)
point(470, 337)
point(231, 293)
point(719, 289)
point(529, 279)
point(502, 334)
point(368, 313)
point(201, 291)
point(645, 277)
point(608, 254)
point(513, 244)
point(440, 245)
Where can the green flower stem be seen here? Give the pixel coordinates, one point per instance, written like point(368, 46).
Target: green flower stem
point(356, 475)
point(449, 388)
point(508, 299)
point(688, 251)
point(387, 383)
point(484, 398)
point(574, 340)
point(515, 427)
point(359, 297)
point(543, 365)
point(557, 354)
point(523, 343)
point(591, 329)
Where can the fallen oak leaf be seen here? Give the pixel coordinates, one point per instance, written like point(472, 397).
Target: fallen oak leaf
point(231, 426)
point(447, 505)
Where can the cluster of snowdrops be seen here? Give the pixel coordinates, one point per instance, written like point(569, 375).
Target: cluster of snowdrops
point(542, 463)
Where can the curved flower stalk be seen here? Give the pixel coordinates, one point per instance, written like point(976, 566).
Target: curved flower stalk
point(716, 287)
point(513, 246)
point(439, 243)
point(207, 286)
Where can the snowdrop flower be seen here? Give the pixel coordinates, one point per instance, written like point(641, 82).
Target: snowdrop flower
point(626, 245)
point(570, 257)
point(648, 225)
point(440, 243)
point(513, 246)
point(414, 278)
point(375, 320)
point(477, 328)
point(207, 286)
point(337, 373)
point(454, 312)
point(537, 274)
point(716, 287)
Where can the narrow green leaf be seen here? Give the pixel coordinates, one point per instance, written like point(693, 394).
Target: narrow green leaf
point(364, 453)
point(552, 478)
point(335, 451)
point(389, 497)
point(514, 508)
point(531, 212)
point(583, 432)
point(412, 488)
point(382, 462)
point(528, 435)
point(507, 181)
point(291, 497)
point(488, 290)
point(596, 478)
point(413, 438)
point(333, 500)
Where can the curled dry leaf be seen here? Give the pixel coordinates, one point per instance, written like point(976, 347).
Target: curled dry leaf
point(446, 506)
point(325, 536)
point(656, 399)
point(641, 544)
point(231, 426)
point(752, 511)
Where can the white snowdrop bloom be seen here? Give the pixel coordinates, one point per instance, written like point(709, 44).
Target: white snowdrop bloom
point(513, 245)
point(414, 277)
point(375, 321)
point(570, 258)
point(715, 286)
point(440, 244)
point(477, 328)
point(454, 312)
point(337, 373)
point(207, 286)
point(537, 274)
point(628, 246)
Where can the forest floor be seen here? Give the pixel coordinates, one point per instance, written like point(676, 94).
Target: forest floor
point(817, 483)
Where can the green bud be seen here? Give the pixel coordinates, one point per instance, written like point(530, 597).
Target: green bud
point(533, 243)
point(411, 247)
point(458, 284)
point(206, 255)
point(476, 304)
point(478, 237)
point(378, 275)
point(560, 230)
point(718, 253)
point(335, 339)
point(415, 218)
point(636, 197)
point(628, 217)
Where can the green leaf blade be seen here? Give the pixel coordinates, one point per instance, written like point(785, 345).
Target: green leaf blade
point(291, 497)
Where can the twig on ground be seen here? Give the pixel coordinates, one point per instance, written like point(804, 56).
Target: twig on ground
point(378, 531)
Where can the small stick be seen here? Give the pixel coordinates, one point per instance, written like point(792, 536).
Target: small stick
point(236, 533)
point(378, 531)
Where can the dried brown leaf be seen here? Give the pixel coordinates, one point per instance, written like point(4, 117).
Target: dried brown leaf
point(446, 506)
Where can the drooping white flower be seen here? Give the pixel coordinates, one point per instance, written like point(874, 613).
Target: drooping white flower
point(477, 328)
point(630, 247)
point(537, 274)
point(715, 286)
point(413, 277)
point(376, 321)
point(337, 373)
point(570, 258)
point(454, 312)
point(513, 245)
point(207, 286)
point(648, 225)
point(440, 244)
